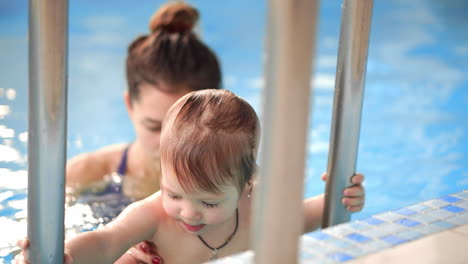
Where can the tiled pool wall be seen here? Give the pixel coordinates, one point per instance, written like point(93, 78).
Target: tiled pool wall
point(355, 239)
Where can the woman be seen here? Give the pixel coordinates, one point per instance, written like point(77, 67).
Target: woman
point(161, 67)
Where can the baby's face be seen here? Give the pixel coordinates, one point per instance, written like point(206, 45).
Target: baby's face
point(198, 212)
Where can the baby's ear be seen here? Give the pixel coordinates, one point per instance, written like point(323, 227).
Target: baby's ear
point(248, 187)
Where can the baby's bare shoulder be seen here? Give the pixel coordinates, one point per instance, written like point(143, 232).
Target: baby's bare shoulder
point(141, 218)
point(150, 206)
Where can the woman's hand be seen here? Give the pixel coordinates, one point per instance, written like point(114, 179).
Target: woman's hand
point(143, 253)
point(22, 258)
point(353, 196)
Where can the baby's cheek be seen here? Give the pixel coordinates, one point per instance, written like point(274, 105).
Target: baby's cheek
point(217, 216)
point(170, 208)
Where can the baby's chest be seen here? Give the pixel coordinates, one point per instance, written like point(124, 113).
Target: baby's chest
point(175, 250)
point(188, 249)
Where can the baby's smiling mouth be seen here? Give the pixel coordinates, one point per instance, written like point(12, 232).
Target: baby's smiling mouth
point(192, 228)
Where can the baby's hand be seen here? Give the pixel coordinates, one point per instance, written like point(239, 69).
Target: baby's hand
point(354, 196)
point(22, 258)
point(143, 253)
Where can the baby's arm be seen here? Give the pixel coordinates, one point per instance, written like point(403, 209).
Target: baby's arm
point(313, 212)
point(137, 223)
point(353, 200)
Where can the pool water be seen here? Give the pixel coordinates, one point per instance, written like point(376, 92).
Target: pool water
point(413, 143)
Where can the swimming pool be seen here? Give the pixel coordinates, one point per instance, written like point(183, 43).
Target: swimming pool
point(413, 143)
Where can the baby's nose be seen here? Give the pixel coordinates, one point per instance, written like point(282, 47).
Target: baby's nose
point(190, 213)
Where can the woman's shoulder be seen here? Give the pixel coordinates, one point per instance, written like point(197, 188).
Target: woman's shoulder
point(92, 166)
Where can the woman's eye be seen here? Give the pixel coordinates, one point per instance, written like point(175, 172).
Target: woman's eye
point(210, 205)
point(154, 129)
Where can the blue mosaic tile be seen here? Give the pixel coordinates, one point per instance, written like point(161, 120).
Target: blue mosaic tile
point(339, 243)
point(405, 211)
point(443, 224)
point(383, 230)
point(341, 257)
point(358, 226)
point(394, 240)
point(392, 227)
point(313, 250)
point(458, 219)
point(375, 245)
point(462, 195)
point(408, 222)
point(326, 248)
point(441, 214)
point(428, 229)
point(319, 235)
point(339, 231)
point(424, 218)
point(453, 209)
point(358, 238)
point(409, 235)
point(463, 204)
point(389, 216)
point(355, 251)
point(419, 207)
point(307, 241)
point(450, 199)
point(436, 203)
point(375, 233)
point(372, 221)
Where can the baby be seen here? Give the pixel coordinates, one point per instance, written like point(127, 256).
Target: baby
point(209, 144)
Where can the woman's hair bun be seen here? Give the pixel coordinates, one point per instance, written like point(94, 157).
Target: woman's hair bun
point(175, 17)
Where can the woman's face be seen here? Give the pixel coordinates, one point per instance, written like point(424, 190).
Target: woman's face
point(147, 114)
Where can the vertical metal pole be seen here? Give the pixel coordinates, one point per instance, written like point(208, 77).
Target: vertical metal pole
point(48, 26)
point(278, 219)
point(347, 106)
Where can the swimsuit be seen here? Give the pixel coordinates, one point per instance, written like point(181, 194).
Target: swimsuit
point(122, 169)
point(108, 203)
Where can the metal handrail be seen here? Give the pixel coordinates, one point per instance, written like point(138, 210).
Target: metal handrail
point(48, 31)
point(278, 217)
point(347, 106)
